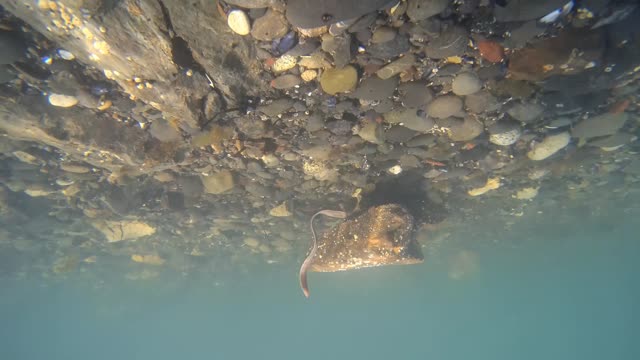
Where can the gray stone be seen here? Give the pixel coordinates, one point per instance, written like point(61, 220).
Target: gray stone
point(218, 183)
point(339, 47)
point(191, 186)
point(422, 140)
point(164, 131)
point(465, 129)
point(522, 35)
point(314, 122)
point(409, 161)
point(396, 67)
point(466, 83)
point(271, 26)
point(601, 125)
point(372, 132)
point(523, 10)
point(375, 89)
point(409, 118)
point(451, 42)
point(399, 134)
point(418, 10)
point(251, 126)
point(213, 105)
point(364, 36)
point(339, 127)
point(383, 34)
point(363, 23)
point(309, 14)
point(258, 190)
point(304, 48)
point(445, 106)
point(482, 101)
point(253, 4)
point(526, 112)
point(391, 49)
point(276, 107)
point(286, 81)
point(415, 94)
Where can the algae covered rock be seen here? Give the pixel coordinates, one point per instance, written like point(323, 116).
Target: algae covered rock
point(335, 81)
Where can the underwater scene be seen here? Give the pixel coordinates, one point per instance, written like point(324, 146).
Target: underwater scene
point(319, 179)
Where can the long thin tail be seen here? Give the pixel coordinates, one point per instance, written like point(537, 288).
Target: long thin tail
point(307, 262)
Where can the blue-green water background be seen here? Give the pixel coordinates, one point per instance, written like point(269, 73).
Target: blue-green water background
point(544, 291)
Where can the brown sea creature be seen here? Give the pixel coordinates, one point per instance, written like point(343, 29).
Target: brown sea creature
point(381, 235)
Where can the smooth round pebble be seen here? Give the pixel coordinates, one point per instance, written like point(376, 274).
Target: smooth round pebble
point(285, 81)
point(526, 112)
point(308, 75)
point(284, 63)
point(409, 118)
point(482, 101)
point(549, 146)
point(415, 94)
point(334, 81)
point(64, 101)
point(465, 130)
point(375, 89)
point(271, 26)
point(466, 84)
point(445, 106)
point(66, 55)
point(372, 132)
point(239, 22)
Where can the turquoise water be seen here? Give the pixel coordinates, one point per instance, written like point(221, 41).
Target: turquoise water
point(574, 295)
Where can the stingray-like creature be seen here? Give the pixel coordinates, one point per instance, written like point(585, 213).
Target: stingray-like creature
point(383, 235)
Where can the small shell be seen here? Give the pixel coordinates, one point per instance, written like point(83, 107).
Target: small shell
point(238, 21)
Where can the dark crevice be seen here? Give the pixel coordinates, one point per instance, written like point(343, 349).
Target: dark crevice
point(183, 57)
point(180, 50)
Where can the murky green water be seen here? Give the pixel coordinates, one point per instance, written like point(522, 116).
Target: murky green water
point(570, 292)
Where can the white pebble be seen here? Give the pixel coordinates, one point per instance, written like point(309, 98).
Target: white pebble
point(395, 170)
point(62, 100)
point(66, 54)
point(238, 21)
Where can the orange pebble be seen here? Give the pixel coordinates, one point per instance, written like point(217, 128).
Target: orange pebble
point(434, 163)
point(620, 106)
point(491, 51)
